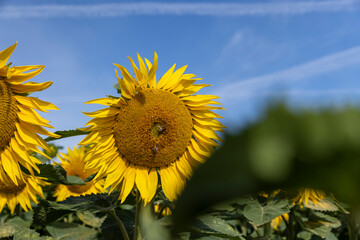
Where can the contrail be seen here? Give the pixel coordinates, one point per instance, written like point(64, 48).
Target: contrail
point(155, 8)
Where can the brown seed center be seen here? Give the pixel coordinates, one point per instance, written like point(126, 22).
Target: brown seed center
point(11, 188)
point(8, 115)
point(153, 129)
point(79, 188)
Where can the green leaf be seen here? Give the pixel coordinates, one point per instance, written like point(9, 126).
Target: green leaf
point(260, 214)
point(67, 133)
point(318, 229)
point(48, 212)
point(70, 231)
point(326, 219)
point(217, 226)
point(321, 224)
point(57, 174)
point(90, 219)
point(305, 235)
point(53, 173)
point(325, 204)
point(150, 228)
point(331, 236)
point(29, 234)
point(10, 227)
point(93, 202)
point(74, 180)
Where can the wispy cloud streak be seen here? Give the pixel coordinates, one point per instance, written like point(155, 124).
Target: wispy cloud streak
point(154, 8)
point(329, 63)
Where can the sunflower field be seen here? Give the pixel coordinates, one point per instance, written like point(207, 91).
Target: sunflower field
point(157, 163)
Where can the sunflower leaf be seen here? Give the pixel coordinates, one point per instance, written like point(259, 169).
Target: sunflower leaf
point(215, 226)
point(90, 219)
point(69, 231)
point(10, 227)
point(66, 133)
point(260, 214)
point(29, 234)
point(57, 174)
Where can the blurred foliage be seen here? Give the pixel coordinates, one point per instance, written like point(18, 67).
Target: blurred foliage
point(284, 150)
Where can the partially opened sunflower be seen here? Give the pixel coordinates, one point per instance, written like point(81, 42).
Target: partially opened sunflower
point(23, 193)
point(74, 163)
point(156, 132)
point(308, 195)
point(19, 122)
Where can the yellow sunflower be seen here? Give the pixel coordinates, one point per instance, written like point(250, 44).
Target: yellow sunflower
point(308, 194)
point(74, 163)
point(154, 130)
point(23, 193)
point(276, 222)
point(19, 122)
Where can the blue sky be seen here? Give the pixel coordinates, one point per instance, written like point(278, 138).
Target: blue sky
point(250, 51)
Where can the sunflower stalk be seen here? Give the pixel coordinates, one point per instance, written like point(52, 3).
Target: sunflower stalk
point(137, 215)
point(290, 226)
point(122, 228)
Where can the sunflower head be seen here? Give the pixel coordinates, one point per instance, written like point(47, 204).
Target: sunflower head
point(156, 129)
point(74, 163)
point(307, 194)
point(23, 193)
point(19, 122)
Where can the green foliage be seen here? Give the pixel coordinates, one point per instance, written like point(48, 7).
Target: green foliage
point(10, 227)
point(260, 214)
point(284, 150)
point(29, 234)
point(70, 231)
point(216, 227)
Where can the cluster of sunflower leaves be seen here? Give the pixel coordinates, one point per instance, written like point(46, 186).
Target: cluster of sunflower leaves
point(231, 195)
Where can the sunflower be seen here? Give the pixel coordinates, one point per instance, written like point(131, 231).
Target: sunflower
point(276, 222)
point(307, 195)
point(23, 193)
point(19, 122)
point(74, 164)
point(156, 132)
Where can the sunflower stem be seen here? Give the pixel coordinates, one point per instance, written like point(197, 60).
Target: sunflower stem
point(18, 211)
point(137, 214)
point(122, 228)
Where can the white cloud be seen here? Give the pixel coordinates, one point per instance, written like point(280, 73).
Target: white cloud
point(153, 8)
point(329, 63)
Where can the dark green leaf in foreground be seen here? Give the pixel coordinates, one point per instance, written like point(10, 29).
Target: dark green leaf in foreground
point(47, 212)
point(90, 219)
point(285, 150)
point(70, 231)
point(215, 226)
point(10, 227)
point(260, 214)
point(29, 234)
point(57, 174)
